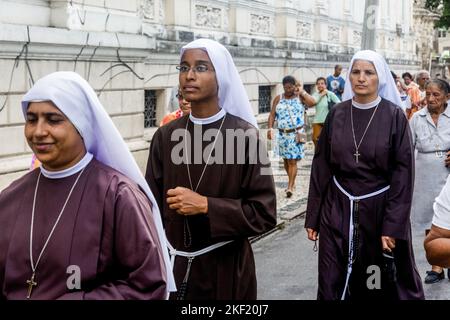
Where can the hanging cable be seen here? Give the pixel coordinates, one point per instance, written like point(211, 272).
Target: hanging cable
point(24, 52)
point(120, 64)
point(109, 80)
point(26, 57)
point(160, 75)
point(90, 61)
point(123, 62)
point(82, 20)
point(81, 51)
point(257, 72)
point(106, 21)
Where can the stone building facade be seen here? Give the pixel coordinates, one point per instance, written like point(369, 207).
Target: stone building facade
point(426, 35)
point(128, 51)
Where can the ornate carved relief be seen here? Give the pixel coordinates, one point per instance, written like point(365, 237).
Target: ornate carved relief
point(147, 9)
point(260, 24)
point(357, 36)
point(406, 46)
point(304, 30)
point(391, 42)
point(209, 17)
point(225, 20)
point(334, 34)
point(378, 41)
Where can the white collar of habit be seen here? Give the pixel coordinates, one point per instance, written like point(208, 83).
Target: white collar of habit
point(369, 105)
point(219, 115)
point(70, 171)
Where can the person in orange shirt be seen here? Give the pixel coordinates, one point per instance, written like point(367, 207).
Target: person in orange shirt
point(185, 108)
point(416, 104)
point(417, 92)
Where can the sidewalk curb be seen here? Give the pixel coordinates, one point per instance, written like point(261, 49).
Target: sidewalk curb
point(280, 225)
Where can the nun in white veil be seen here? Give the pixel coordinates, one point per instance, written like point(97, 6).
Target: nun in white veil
point(386, 85)
point(361, 187)
point(233, 97)
point(211, 207)
point(88, 206)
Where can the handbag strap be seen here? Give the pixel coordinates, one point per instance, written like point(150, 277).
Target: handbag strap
point(292, 119)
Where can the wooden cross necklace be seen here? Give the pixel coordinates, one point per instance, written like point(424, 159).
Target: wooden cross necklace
point(32, 282)
point(357, 154)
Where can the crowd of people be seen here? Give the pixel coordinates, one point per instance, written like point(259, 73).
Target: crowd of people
point(181, 231)
point(381, 159)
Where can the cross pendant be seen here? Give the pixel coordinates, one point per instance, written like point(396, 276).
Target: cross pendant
point(31, 283)
point(357, 154)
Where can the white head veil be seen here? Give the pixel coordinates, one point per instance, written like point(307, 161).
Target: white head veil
point(386, 85)
point(232, 95)
point(78, 101)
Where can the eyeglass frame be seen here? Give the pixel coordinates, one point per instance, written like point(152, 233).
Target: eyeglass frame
point(194, 68)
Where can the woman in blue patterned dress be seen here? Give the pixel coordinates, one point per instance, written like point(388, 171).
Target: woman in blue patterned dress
point(288, 111)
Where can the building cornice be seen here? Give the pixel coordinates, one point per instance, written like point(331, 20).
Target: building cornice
point(260, 7)
point(70, 42)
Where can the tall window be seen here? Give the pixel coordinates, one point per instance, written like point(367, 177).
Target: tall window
point(150, 109)
point(265, 97)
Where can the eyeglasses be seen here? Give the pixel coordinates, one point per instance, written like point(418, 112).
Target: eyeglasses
point(201, 68)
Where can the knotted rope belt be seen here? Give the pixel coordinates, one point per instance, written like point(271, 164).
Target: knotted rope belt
point(190, 256)
point(353, 236)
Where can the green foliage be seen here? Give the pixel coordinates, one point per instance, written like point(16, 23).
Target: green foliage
point(442, 7)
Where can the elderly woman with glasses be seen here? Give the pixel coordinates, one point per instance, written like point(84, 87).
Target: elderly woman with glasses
point(431, 138)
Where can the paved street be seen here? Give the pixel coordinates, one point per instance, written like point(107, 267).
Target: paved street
point(285, 261)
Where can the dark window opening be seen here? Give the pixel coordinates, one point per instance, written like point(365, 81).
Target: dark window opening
point(150, 109)
point(265, 97)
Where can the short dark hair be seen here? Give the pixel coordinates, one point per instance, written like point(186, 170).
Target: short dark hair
point(441, 84)
point(321, 78)
point(407, 74)
point(289, 79)
point(337, 66)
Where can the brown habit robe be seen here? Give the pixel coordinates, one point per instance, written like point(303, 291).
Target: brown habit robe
point(106, 230)
point(241, 204)
point(386, 159)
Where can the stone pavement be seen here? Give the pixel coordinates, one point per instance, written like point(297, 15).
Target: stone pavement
point(289, 208)
point(281, 261)
point(286, 265)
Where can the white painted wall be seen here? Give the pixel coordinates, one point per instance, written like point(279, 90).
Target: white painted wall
point(149, 33)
